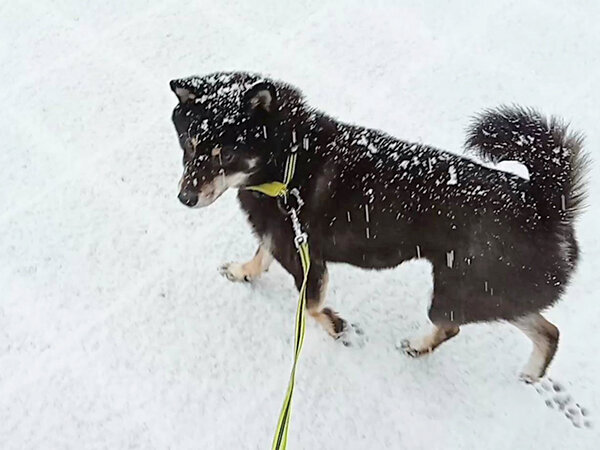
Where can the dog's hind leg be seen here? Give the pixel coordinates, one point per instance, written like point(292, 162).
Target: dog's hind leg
point(442, 327)
point(544, 336)
point(250, 270)
point(428, 342)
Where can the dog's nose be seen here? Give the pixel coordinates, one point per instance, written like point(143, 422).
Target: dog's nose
point(188, 198)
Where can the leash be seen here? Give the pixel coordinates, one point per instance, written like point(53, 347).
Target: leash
point(285, 196)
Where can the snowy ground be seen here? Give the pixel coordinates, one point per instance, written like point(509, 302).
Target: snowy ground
point(116, 330)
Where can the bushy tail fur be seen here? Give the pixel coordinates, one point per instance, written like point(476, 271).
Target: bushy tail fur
point(553, 155)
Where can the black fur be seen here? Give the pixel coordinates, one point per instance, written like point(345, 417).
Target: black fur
point(501, 246)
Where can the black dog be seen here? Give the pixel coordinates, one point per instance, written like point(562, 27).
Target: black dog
point(502, 247)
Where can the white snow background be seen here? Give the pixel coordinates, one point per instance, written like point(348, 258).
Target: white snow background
point(116, 330)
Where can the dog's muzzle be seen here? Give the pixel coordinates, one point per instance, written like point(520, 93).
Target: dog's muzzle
point(188, 198)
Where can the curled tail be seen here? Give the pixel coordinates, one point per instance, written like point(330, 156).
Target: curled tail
point(553, 155)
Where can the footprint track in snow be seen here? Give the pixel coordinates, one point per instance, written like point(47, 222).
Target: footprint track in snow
point(353, 336)
point(556, 397)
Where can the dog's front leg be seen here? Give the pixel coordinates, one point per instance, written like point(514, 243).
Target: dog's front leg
point(250, 270)
point(316, 288)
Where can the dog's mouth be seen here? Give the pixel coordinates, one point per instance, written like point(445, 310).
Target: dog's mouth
point(201, 199)
point(210, 192)
point(206, 199)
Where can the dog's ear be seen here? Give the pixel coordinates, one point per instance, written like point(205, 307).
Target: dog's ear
point(262, 97)
point(183, 94)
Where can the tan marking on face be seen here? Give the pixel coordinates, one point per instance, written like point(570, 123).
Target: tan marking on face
point(212, 190)
point(194, 141)
point(216, 151)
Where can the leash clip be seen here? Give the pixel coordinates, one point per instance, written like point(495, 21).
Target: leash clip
point(290, 200)
point(299, 202)
point(300, 237)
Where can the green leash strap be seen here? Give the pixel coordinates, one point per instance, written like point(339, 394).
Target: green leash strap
point(279, 189)
point(290, 167)
point(281, 433)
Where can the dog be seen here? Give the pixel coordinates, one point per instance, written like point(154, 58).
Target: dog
point(501, 247)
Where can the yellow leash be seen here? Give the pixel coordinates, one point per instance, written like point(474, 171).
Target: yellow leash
point(281, 432)
point(278, 189)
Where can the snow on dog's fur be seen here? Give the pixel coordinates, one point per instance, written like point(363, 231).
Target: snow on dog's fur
point(502, 247)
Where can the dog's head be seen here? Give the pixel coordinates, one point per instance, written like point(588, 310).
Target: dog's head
point(222, 121)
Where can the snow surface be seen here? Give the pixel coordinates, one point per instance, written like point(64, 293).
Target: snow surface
point(116, 330)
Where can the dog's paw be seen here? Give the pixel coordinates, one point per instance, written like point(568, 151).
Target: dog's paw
point(414, 347)
point(532, 372)
point(234, 272)
point(352, 336)
point(529, 378)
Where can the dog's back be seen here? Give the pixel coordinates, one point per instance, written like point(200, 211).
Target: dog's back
point(500, 246)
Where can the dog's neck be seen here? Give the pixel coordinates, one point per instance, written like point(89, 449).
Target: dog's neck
point(306, 132)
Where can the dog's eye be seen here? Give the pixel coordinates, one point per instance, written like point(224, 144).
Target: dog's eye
point(227, 156)
point(224, 155)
